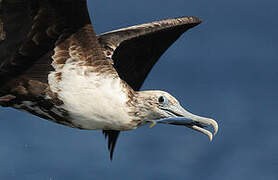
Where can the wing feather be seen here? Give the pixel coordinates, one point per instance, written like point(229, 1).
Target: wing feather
point(136, 49)
point(31, 30)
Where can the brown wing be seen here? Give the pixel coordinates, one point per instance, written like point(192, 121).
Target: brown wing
point(136, 49)
point(29, 30)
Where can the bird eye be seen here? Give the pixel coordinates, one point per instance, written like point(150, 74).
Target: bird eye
point(162, 100)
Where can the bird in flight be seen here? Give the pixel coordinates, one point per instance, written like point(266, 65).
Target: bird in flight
point(54, 66)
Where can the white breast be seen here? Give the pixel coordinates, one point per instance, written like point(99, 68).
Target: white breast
point(92, 100)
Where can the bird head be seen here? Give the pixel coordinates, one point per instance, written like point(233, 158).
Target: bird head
point(161, 107)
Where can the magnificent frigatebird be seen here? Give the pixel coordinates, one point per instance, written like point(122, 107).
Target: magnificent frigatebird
point(53, 65)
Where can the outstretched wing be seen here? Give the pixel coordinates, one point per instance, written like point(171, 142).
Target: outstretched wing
point(136, 49)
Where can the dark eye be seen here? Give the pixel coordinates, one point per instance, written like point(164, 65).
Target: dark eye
point(162, 100)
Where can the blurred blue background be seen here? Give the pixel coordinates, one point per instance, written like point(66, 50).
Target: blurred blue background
point(225, 68)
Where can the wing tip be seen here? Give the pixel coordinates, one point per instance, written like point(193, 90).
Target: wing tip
point(182, 21)
point(112, 136)
point(196, 20)
point(186, 20)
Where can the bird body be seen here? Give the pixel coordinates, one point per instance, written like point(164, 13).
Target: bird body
point(92, 101)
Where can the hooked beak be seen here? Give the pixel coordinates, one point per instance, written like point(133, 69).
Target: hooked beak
point(179, 116)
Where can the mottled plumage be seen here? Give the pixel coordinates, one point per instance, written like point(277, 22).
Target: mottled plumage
point(53, 65)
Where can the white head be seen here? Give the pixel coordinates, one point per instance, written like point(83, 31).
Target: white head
point(161, 107)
